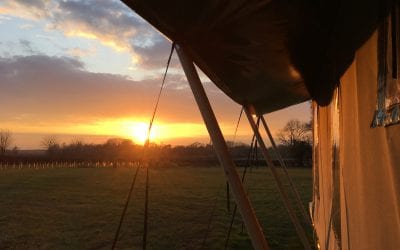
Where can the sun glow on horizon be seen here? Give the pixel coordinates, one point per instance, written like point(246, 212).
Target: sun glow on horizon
point(134, 129)
point(161, 131)
point(138, 131)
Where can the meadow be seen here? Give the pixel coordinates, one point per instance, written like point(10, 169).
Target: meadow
point(79, 208)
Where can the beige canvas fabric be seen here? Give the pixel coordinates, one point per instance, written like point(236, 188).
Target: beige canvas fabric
point(369, 164)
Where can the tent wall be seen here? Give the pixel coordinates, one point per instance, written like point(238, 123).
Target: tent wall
point(356, 200)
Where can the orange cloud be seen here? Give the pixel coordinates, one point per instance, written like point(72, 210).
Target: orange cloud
point(32, 10)
point(76, 29)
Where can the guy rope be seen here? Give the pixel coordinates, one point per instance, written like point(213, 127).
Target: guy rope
point(146, 145)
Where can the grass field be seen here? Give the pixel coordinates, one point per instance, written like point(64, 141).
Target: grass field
point(79, 208)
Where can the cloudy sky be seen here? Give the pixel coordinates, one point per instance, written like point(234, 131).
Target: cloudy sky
point(91, 70)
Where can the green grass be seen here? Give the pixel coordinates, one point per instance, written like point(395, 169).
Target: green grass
point(80, 208)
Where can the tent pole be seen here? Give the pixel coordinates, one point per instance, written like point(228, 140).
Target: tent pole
point(243, 203)
point(285, 198)
point(284, 167)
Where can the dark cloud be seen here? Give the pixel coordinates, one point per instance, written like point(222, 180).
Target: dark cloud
point(156, 55)
point(27, 46)
point(100, 16)
point(41, 89)
point(95, 11)
point(39, 4)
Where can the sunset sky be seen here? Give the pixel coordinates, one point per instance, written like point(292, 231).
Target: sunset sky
point(91, 70)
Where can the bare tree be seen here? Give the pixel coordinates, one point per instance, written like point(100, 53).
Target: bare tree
point(50, 143)
point(5, 141)
point(295, 131)
point(296, 141)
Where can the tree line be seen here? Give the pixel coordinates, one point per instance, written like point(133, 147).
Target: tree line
point(294, 146)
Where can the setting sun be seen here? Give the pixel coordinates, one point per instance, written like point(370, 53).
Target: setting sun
point(139, 132)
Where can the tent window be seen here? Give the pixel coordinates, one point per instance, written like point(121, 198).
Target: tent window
point(388, 104)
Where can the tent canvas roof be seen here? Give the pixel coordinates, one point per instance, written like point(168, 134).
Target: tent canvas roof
point(271, 54)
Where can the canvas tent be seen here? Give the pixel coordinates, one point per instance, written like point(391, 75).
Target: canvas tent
point(342, 54)
point(356, 201)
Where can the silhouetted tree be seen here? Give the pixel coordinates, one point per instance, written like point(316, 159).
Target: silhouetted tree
point(5, 141)
point(50, 143)
point(295, 138)
point(295, 131)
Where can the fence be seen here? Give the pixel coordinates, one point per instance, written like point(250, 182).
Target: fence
point(65, 164)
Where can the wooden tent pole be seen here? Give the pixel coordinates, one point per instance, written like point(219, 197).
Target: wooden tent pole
point(253, 226)
point(285, 198)
point(284, 167)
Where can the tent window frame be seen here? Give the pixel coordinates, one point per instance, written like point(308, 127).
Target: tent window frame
point(388, 96)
